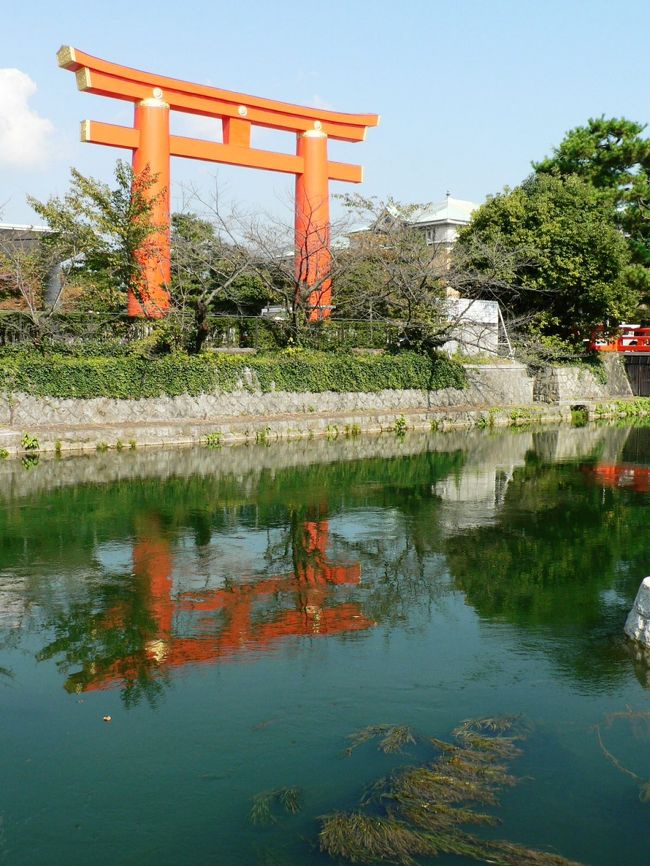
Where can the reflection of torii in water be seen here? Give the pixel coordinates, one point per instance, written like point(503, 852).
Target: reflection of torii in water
point(311, 583)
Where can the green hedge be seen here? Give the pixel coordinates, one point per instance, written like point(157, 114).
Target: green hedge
point(292, 370)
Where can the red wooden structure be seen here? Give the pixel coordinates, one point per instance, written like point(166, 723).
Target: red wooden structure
point(631, 339)
point(154, 96)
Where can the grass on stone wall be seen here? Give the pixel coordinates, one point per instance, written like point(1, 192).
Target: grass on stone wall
point(172, 375)
point(638, 407)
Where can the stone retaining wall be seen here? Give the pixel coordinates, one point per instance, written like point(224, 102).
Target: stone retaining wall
point(579, 385)
point(488, 386)
point(497, 395)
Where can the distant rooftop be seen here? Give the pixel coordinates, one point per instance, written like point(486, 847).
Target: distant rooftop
point(454, 211)
point(451, 210)
point(15, 227)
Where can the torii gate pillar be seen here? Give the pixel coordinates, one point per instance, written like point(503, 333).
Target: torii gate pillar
point(313, 257)
point(150, 297)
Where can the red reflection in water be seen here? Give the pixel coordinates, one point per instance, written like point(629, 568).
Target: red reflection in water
point(623, 475)
point(222, 621)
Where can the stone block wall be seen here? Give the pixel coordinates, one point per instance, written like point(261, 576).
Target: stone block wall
point(579, 385)
point(488, 386)
point(497, 395)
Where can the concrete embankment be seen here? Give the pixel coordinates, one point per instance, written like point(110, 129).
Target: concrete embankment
point(497, 395)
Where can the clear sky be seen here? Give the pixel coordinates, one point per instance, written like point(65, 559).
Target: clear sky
point(469, 91)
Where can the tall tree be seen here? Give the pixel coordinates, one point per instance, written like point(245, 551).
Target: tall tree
point(611, 154)
point(103, 227)
point(577, 270)
point(388, 270)
point(211, 274)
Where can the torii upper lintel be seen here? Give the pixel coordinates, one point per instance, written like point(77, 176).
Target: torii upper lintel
point(154, 96)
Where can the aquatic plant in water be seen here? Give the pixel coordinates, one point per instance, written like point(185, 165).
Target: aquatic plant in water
point(393, 738)
point(421, 811)
point(266, 803)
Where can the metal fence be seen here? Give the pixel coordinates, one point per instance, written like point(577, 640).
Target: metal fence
point(246, 332)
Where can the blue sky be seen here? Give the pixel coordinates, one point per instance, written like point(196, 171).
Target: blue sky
point(469, 92)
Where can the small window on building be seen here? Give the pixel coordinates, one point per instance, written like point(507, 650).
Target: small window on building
point(431, 236)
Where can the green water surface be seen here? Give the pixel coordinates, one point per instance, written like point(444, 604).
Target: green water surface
point(239, 612)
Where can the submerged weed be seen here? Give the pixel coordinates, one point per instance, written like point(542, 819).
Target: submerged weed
point(393, 737)
point(265, 804)
point(420, 811)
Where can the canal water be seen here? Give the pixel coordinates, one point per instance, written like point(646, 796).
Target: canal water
point(239, 613)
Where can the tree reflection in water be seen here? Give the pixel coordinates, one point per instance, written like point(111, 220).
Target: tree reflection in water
point(563, 557)
point(135, 629)
point(547, 547)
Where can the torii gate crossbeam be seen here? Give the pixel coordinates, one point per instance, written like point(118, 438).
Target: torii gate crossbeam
point(154, 96)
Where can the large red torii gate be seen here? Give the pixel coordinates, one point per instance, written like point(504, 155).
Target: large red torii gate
point(152, 144)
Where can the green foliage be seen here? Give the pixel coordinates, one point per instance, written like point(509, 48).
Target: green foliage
point(521, 415)
point(176, 374)
point(115, 334)
point(569, 268)
point(329, 334)
point(610, 154)
point(165, 336)
point(401, 426)
point(25, 265)
point(29, 442)
point(3, 454)
point(205, 266)
point(103, 228)
point(390, 271)
point(213, 440)
point(579, 416)
point(636, 408)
